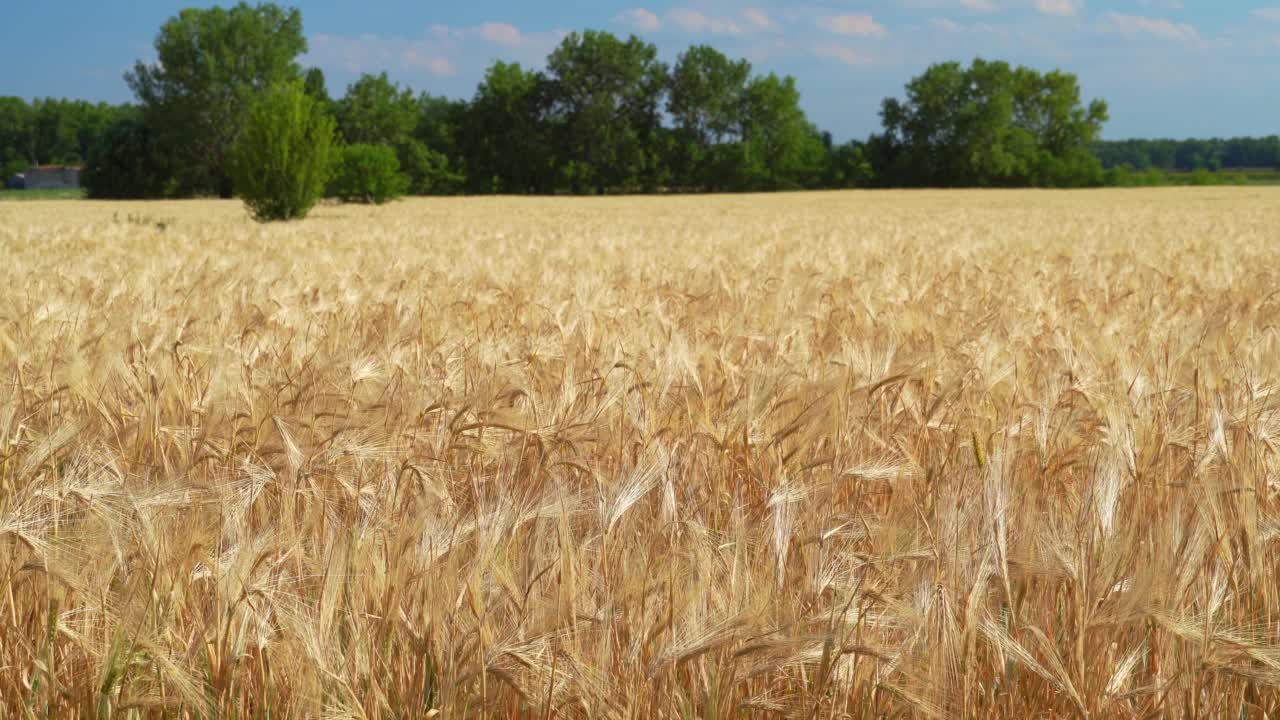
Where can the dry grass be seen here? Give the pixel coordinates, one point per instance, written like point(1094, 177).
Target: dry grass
point(958, 455)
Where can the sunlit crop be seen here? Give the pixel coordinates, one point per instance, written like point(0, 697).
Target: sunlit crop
point(854, 455)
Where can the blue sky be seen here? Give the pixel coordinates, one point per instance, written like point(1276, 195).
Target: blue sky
point(1167, 67)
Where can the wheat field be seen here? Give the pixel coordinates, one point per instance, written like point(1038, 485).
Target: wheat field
point(844, 455)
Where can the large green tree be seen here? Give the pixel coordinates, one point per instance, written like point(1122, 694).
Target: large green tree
point(847, 166)
point(376, 111)
point(782, 149)
point(603, 103)
point(437, 166)
point(707, 103)
point(127, 162)
point(211, 65)
point(504, 136)
point(989, 124)
point(17, 136)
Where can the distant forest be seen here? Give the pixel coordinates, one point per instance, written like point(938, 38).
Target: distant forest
point(1188, 155)
point(604, 116)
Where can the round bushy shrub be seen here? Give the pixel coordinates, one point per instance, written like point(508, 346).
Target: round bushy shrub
point(368, 174)
point(282, 160)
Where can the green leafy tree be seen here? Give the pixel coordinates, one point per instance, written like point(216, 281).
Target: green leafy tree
point(428, 171)
point(437, 141)
point(17, 136)
point(848, 167)
point(1243, 152)
point(603, 98)
point(283, 158)
point(212, 63)
point(57, 130)
point(707, 103)
point(504, 137)
point(377, 111)
point(314, 85)
point(440, 122)
point(989, 124)
point(127, 162)
point(782, 150)
point(51, 131)
point(368, 174)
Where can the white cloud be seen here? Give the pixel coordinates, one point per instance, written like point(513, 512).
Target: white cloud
point(842, 53)
point(1271, 14)
point(1061, 8)
point(759, 19)
point(438, 52)
point(434, 64)
point(951, 27)
point(373, 53)
point(853, 25)
point(976, 5)
point(1131, 26)
point(1162, 4)
point(693, 21)
point(501, 34)
point(497, 33)
point(640, 19)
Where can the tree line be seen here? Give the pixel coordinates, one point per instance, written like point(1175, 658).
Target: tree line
point(604, 116)
point(1189, 155)
point(50, 131)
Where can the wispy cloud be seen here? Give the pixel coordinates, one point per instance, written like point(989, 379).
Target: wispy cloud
point(854, 25)
point(952, 27)
point(640, 19)
point(501, 34)
point(527, 45)
point(497, 33)
point(982, 6)
point(695, 21)
point(842, 53)
point(437, 52)
point(1270, 14)
point(374, 53)
point(978, 6)
point(1132, 26)
point(434, 64)
point(759, 19)
point(1061, 8)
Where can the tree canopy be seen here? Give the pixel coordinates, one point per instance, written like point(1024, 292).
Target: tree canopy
point(127, 162)
point(505, 138)
point(211, 65)
point(708, 107)
point(989, 124)
point(603, 97)
point(377, 111)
